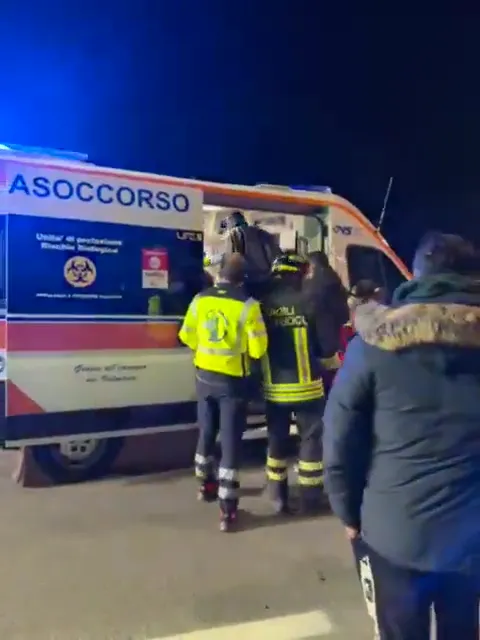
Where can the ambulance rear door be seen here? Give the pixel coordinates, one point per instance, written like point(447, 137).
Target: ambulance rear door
point(357, 251)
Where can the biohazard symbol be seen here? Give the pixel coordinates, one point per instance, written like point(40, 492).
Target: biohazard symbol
point(79, 271)
point(216, 326)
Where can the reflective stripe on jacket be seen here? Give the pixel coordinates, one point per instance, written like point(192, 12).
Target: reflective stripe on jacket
point(225, 329)
point(291, 367)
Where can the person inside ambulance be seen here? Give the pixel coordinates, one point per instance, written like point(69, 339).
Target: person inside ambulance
point(327, 299)
point(292, 382)
point(257, 246)
point(323, 286)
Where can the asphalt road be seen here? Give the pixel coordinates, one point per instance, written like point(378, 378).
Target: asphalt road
point(140, 559)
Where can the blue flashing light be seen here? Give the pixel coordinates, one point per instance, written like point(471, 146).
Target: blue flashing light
point(42, 152)
point(314, 188)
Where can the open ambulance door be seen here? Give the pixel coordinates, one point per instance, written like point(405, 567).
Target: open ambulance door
point(357, 251)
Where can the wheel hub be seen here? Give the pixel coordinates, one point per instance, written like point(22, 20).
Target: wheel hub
point(78, 450)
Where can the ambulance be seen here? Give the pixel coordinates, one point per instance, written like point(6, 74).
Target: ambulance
point(97, 268)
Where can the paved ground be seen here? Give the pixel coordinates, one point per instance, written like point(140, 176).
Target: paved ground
point(139, 558)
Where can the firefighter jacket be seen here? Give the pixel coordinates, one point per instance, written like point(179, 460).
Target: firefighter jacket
point(225, 329)
point(292, 371)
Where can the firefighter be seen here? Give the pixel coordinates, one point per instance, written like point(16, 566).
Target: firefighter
point(292, 380)
point(225, 329)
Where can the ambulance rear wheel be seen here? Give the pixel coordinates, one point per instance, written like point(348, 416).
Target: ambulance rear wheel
point(77, 460)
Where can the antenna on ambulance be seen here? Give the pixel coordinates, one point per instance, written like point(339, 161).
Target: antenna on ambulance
point(385, 203)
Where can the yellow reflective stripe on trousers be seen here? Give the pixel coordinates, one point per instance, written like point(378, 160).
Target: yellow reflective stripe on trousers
point(300, 340)
point(309, 481)
point(310, 473)
point(276, 463)
point(277, 476)
point(310, 466)
point(277, 469)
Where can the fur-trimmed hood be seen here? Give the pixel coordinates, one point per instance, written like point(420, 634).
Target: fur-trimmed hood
point(435, 311)
point(421, 324)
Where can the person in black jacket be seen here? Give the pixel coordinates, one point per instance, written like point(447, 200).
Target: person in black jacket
point(326, 297)
point(292, 382)
point(402, 448)
point(257, 246)
point(324, 287)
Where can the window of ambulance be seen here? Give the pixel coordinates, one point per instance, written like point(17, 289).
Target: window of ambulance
point(369, 263)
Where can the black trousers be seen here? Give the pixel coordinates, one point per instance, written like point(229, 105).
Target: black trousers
point(310, 469)
point(222, 412)
point(399, 600)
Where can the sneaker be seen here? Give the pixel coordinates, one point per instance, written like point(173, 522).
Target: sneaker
point(228, 522)
point(208, 492)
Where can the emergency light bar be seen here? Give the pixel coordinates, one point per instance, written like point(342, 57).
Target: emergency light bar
point(43, 153)
point(273, 187)
point(314, 188)
point(280, 187)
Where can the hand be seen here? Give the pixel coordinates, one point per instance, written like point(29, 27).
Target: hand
point(352, 533)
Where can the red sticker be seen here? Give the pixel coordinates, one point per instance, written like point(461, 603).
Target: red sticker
point(154, 269)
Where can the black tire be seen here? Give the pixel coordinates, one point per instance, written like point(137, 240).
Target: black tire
point(64, 470)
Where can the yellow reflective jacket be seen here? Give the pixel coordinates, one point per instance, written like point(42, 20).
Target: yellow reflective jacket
point(225, 329)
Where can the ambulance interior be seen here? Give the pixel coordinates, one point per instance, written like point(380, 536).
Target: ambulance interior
point(306, 233)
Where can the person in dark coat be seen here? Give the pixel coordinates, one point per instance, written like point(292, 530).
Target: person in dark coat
point(366, 302)
point(402, 448)
point(324, 287)
point(256, 245)
point(326, 297)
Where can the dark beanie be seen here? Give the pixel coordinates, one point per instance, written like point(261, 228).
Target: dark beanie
point(232, 268)
point(444, 253)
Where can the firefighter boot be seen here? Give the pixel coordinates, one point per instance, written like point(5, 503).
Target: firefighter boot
point(228, 515)
point(311, 501)
point(279, 494)
point(277, 479)
point(310, 487)
point(208, 491)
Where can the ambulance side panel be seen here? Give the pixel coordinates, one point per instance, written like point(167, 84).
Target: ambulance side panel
point(100, 267)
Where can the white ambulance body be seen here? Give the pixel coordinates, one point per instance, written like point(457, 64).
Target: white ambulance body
point(97, 268)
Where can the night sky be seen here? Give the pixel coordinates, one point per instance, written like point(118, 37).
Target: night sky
point(287, 92)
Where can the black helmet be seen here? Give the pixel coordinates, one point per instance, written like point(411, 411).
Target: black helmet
point(289, 262)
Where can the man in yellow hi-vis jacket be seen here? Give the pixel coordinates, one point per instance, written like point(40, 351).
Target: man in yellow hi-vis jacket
point(292, 380)
point(225, 329)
